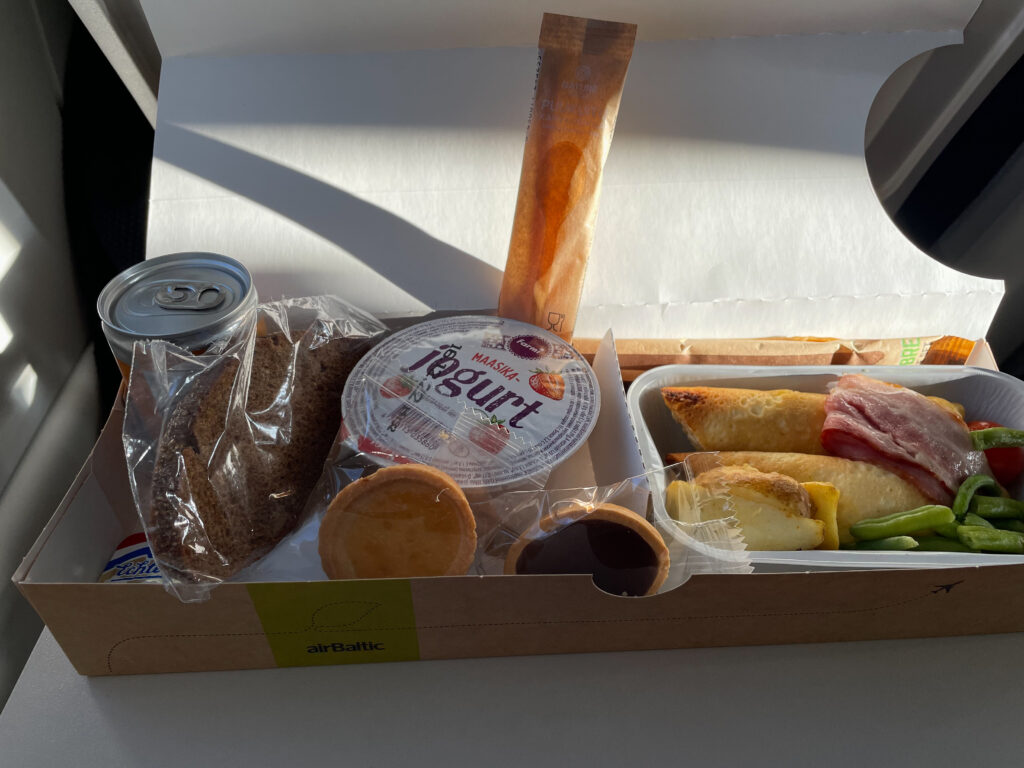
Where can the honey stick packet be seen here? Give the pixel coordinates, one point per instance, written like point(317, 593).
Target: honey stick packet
point(580, 76)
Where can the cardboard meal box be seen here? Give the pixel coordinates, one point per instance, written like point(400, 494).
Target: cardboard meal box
point(736, 203)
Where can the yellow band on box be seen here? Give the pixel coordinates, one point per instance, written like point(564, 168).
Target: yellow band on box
point(338, 622)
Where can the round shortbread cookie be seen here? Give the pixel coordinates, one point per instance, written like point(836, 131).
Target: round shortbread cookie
point(400, 522)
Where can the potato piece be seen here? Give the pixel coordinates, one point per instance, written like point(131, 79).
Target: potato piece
point(825, 499)
point(771, 528)
point(865, 490)
point(771, 488)
point(769, 521)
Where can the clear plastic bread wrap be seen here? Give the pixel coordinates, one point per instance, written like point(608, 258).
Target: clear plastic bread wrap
point(619, 532)
point(368, 520)
point(419, 483)
point(376, 513)
point(224, 448)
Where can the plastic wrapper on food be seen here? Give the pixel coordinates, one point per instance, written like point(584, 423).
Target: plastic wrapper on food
point(580, 76)
point(223, 450)
point(638, 548)
point(397, 430)
point(618, 533)
point(705, 539)
point(389, 516)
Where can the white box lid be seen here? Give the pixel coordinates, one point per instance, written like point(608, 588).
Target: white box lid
point(736, 198)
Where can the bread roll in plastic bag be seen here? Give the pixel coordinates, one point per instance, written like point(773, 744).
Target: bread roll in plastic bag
point(224, 448)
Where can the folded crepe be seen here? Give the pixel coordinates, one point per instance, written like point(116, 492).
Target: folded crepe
point(731, 419)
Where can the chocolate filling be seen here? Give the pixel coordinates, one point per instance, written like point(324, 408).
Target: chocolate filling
point(619, 559)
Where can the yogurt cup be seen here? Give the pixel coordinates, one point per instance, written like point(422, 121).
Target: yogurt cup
point(493, 402)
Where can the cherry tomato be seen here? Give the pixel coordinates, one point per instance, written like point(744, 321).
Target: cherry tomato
point(1006, 463)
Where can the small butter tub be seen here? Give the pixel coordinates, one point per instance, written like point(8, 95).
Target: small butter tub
point(190, 299)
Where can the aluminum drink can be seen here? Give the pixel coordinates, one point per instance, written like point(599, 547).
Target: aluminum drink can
point(189, 299)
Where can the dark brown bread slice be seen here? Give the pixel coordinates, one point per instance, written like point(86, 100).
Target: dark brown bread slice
point(248, 477)
point(181, 536)
point(296, 460)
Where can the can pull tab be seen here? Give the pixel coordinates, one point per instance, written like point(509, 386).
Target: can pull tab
point(196, 297)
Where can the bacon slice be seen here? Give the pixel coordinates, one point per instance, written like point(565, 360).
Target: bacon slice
point(902, 431)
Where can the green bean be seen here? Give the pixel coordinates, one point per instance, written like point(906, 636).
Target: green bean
point(947, 530)
point(939, 544)
point(968, 488)
point(1009, 525)
point(997, 506)
point(902, 523)
point(991, 539)
point(972, 519)
point(997, 437)
point(898, 543)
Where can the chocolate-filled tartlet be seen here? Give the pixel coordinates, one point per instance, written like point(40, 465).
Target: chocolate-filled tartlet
point(620, 549)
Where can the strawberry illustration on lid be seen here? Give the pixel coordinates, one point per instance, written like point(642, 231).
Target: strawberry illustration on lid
point(548, 383)
point(491, 435)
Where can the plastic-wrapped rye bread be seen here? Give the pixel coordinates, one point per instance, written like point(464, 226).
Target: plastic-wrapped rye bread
point(223, 450)
point(580, 76)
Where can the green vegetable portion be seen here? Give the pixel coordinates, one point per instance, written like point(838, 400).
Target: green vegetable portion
point(1009, 525)
point(997, 437)
point(982, 518)
point(890, 543)
point(991, 539)
point(968, 488)
point(902, 523)
point(972, 519)
point(997, 507)
point(940, 544)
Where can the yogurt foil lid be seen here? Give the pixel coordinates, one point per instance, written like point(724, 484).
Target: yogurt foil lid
point(493, 402)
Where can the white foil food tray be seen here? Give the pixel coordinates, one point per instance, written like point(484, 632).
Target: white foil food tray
point(986, 395)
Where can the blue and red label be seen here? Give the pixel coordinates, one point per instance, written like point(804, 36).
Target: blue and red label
point(132, 561)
